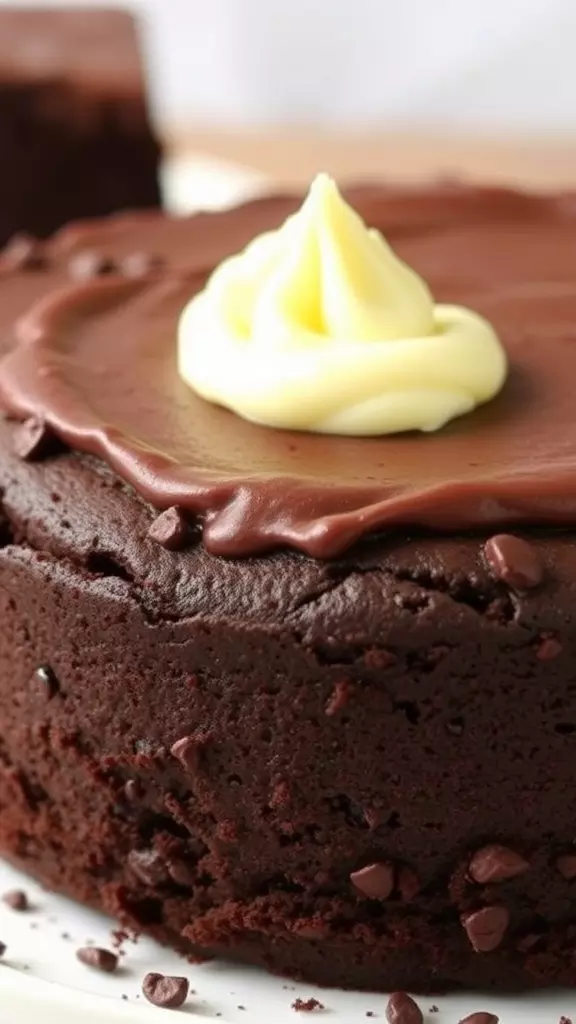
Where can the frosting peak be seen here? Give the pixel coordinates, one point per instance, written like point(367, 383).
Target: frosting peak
point(319, 326)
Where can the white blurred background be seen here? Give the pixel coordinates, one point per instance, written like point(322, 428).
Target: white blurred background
point(503, 67)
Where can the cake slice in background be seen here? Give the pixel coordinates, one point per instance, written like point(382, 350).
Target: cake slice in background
point(75, 136)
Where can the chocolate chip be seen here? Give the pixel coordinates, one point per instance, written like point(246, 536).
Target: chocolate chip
point(132, 790)
point(548, 648)
point(408, 884)
point(486, 928)
point(45, 682)
point(376, 881)
point(23, 252)
point(169, 529)
point(101, 959)
point(148, 866)
point(514, 561)
point(338, 698)
point(32, 439)
point(164, 990)
point(566, 865)
point(86, 265)
point(16, 899)
point(480, 1018)
point(140, 264)
point(181, 872)
point(496, 863)
point(187, 751)
point(527, 942)
point(2, 948)
point(402, 1009)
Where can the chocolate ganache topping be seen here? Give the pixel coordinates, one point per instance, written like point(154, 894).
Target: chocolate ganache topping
point(96, 361)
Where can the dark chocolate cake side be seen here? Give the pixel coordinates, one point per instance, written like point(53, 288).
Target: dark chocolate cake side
point(75, 134)
point(356, 770)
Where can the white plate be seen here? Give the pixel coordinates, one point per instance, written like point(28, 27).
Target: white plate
point(41, 980)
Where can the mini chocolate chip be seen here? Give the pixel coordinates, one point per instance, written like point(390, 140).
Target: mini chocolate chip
point(88, 264)
point(32, 439)
point(140, 264)
point(548, 649)
point(376, 881)
point(496, 863)
point(45, 682)
point(527, 942)
point(339, 697)
point(165, 991)
point(101, 959)
point(402, 1009)
point(566, 865)
point(23, 252)
point(181, 872)
point(514, 561)
point(148, 866)
point(2, 948)
point(16, 899)
point(480, 1018)
point(486, 928)
point(408, 884)
point(132, 790)
point(169, 529)
point(187, 751)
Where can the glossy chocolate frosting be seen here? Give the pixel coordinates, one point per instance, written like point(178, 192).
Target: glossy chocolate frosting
point(96, 361)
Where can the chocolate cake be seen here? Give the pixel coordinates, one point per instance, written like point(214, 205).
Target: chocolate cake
point(74, 131)
point(308, 702)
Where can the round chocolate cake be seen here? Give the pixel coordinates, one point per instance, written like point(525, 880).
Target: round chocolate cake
point(301, 700)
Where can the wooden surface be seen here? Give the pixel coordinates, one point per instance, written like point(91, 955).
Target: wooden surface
point(292, 158)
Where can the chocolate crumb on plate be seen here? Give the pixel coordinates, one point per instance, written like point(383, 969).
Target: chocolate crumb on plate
point(565, 1020)
point(100, 959)
point(402, 1009)
point(307, 1005)
point(480, 1017)
point(16, 899)
point(165, 990)
point(2, 948)
point(433, 1009)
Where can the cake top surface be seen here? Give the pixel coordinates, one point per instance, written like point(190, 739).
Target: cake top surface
point(90, 47)
point(95, 359)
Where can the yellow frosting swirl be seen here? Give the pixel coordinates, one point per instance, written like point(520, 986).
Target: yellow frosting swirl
point(319, 326)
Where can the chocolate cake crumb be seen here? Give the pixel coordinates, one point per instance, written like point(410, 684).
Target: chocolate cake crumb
point(16, 899)
point(307, 1005)
point(164, 990)
point(2, 948)
point(433, 1009)
point(402, 1009)
point(565, 1020)
point(100, 959)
